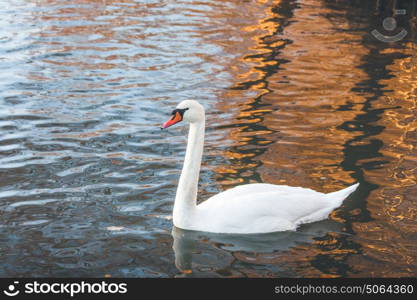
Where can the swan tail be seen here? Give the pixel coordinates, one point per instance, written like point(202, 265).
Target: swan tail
point(342, 194)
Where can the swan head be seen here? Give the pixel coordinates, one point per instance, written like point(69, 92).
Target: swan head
point(188, 110)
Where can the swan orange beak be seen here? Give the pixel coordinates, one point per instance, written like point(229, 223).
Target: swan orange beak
point(177, 117)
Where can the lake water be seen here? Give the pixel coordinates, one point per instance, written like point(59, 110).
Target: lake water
point(296, 92)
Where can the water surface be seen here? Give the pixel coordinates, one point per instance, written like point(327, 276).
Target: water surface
point(296, 92)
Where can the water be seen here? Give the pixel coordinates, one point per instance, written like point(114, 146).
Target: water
point(296, 92)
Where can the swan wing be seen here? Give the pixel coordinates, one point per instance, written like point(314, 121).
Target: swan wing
point(261, 207)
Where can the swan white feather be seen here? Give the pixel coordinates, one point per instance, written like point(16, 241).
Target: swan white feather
point(250, 208)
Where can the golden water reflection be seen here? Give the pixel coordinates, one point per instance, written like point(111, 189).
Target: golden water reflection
point(311, 112)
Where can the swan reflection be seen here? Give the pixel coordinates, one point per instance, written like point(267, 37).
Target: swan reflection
point(197, 251)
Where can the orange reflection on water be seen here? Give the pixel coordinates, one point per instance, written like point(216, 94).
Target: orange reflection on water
point(386, 241)
point(295, 83)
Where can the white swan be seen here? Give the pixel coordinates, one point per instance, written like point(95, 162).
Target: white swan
point(249, 208)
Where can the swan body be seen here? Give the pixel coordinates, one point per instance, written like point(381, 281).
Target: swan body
point(245, 209)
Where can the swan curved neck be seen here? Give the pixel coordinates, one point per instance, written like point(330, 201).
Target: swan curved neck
point(186, 197)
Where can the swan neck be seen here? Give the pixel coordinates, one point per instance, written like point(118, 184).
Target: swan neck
point(186, 197)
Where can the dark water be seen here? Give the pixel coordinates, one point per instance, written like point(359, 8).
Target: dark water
point(296, 92)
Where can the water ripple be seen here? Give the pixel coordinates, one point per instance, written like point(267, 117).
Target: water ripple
point(295, 93)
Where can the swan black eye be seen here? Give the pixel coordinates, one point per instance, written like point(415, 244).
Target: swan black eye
point(179, 110)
